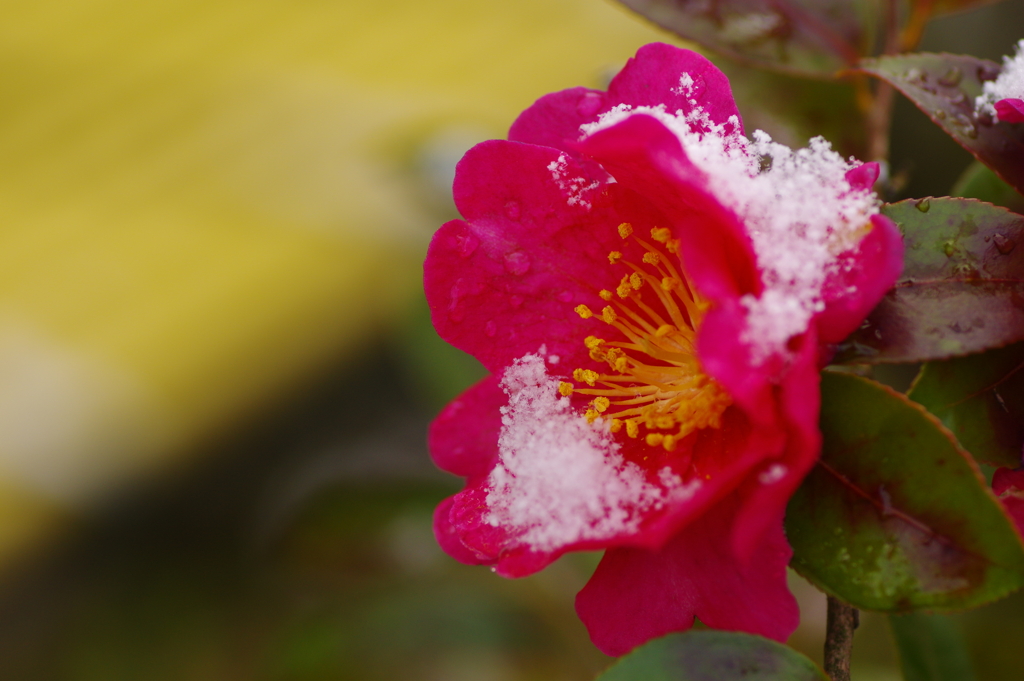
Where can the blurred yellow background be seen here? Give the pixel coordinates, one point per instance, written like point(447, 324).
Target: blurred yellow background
point(216, 366)
point(203, 203)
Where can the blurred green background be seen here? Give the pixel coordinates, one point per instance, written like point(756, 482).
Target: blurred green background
point(216, 366)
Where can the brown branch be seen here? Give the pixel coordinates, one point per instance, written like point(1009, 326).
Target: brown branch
point(920, 13)
point(842, 620)
point(879, 118)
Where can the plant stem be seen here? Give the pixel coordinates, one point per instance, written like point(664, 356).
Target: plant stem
point(842, 620)
point(912, 33)
point(880, 117)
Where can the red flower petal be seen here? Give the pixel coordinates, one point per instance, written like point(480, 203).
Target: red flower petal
point(448, 537)
point(1009, 487)
point(636, 595)
point(1010, 110)
point(652, 78)
point(504, 282)
point(691, 528)
point(643, 155)
point(463, 439)
point(852, 292)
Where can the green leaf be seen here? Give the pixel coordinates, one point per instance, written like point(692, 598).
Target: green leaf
point(981, 399)
point(931, 648)
point(713, 656)
point(979, 182)
point(803, 37)
point(961, 290)
point(944, 86)
point(895, 516)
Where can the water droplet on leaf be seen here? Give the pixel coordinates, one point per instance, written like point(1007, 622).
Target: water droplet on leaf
point(949, 248)
point(1004, 244)
point(966, 126)
point(923, 205)
point(988, 72)
point(952, 77)
point(965, 271)
point(914, 75)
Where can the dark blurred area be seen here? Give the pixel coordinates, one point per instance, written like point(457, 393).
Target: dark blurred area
point(281, 529)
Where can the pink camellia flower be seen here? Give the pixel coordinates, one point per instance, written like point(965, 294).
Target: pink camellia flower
point(1008, 485)
point(654, 295)
point(1004, 96)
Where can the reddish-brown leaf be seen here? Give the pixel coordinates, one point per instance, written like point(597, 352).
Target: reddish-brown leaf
point(896, 516)
point(802, 37)
point(962, 287)
point(944, 87)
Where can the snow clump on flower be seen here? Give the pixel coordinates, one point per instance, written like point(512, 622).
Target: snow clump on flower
point(560, 479)
point(799, 208)
point(1009, 84)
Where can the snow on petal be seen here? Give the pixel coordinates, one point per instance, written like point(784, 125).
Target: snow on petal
point(562, 480)
point(575, 188)
point(799, 208)
point(1009, 84)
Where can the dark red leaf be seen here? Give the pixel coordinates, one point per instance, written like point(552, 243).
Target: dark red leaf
point(981, 399)
point(896, 516)
point(944, 86)
point(962, 287)
point(803, 37)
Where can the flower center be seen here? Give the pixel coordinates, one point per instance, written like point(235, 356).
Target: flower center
point(655, 380)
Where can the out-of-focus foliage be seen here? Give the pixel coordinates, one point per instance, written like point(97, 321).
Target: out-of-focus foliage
point(794, 36)
point(793, 110)
point(979, 182)
point(706, 655)
point(205, 203)
point(931, 648)
point(808, 38)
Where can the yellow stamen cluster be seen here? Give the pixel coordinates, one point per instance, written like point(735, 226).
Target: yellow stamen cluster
point(655, 380)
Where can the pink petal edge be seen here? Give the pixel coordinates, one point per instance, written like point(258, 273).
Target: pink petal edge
point(1010, 110)
point(636, 595)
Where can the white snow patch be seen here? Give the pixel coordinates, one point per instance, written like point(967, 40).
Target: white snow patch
point(575, 188)
point(685, 85)
point(1009, 84)
point(559, 479)
point(797, 206)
